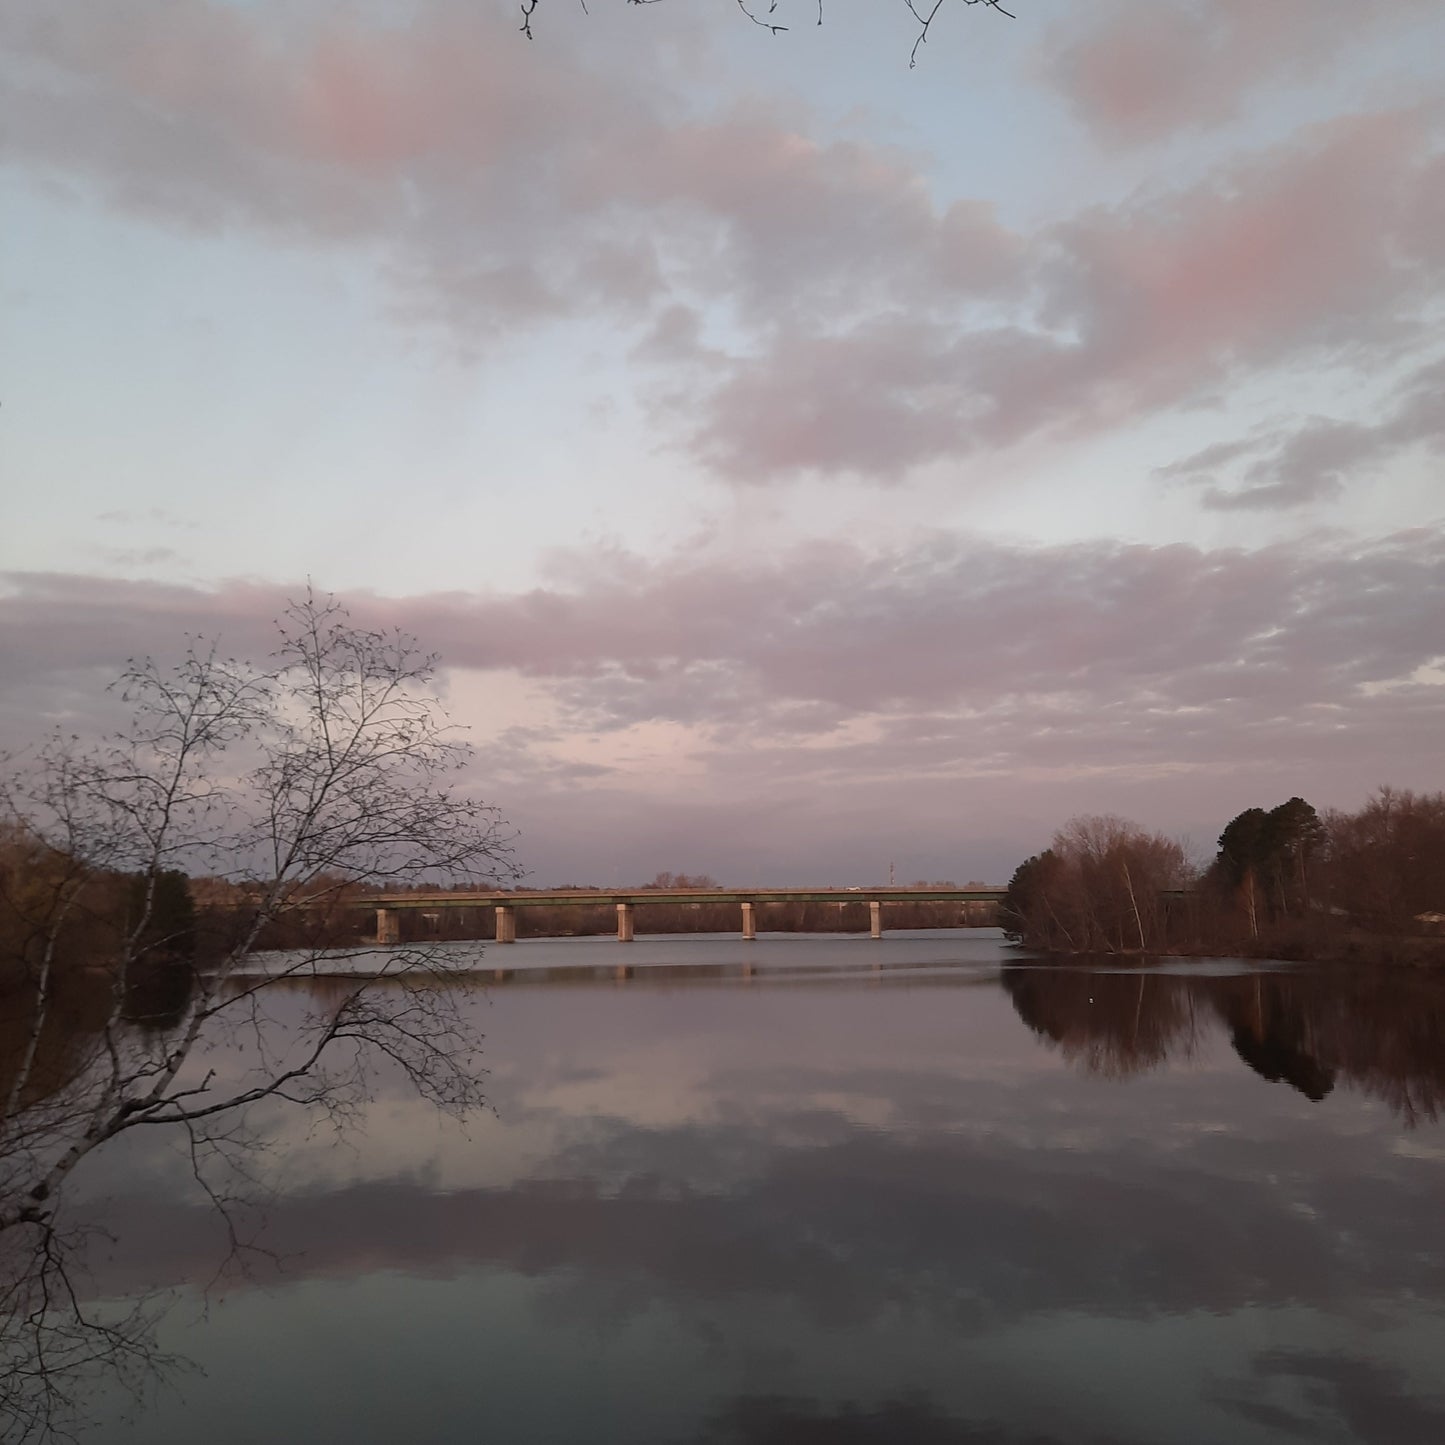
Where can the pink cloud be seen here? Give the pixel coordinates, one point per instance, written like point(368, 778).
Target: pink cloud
point(1312, 250)
point(1135, 71)
point(1280, 249)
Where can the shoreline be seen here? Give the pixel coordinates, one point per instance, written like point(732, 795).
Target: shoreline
point(1355, 951)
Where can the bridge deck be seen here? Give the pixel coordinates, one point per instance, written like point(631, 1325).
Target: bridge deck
point(554, 897)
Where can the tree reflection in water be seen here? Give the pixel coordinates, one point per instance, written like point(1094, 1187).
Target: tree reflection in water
point(1378, 1033)
point(54, 1338)
point(1110, 1024)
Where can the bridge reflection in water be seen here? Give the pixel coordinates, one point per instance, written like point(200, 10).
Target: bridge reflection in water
point(977, 905)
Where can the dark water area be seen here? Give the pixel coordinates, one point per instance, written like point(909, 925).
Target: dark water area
point(842, 1190)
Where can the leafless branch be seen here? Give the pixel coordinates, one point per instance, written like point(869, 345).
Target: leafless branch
point(766, 24)
point(766, 20)
point(924, 21)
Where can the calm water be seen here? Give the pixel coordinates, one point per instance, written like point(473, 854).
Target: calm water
point(832, 1189)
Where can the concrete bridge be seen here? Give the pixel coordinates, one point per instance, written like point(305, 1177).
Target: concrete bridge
point(389, 906)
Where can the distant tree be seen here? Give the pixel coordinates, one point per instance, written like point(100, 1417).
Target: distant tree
point(1100, 887)
point(1386, 865)
point(698, 882)
point(1027, 913)
point(1244, 844)
point(1266, 858)
point(170, 914)
point(1297, 839)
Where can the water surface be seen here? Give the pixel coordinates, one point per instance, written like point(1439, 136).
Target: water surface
point(839, 1189)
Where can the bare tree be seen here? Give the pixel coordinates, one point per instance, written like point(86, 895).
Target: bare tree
point(1386, 865)
point(334, 767)
point(1100, 887)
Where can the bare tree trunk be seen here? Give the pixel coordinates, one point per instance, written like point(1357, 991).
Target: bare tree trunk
point(1134, 904)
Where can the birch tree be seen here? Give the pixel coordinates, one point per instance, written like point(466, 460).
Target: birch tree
point(334, 766)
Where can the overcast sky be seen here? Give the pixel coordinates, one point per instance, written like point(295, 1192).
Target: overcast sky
point(803, 463)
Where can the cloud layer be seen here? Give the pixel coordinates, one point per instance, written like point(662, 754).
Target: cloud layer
point(815, 306)
point(948, 662)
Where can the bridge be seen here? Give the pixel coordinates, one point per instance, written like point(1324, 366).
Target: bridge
point(390, 906)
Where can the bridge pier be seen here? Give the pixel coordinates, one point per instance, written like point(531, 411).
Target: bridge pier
point(750, 922)
point(388, 925)
point(875, 919)
point(625, 927)
point(506, 924)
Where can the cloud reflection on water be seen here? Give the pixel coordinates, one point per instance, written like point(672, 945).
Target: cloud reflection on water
point(806, 1185)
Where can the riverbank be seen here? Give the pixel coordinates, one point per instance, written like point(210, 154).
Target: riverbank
point(1354, 948)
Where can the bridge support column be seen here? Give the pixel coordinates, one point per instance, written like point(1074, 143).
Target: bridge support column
point(750, 922)
point(875, 919)
point(388, 925)
point(625, 927)
point(506, 924)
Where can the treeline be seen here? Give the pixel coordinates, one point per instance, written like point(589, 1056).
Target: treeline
point(54, 909)
point(60, 917)
point(1284, 881)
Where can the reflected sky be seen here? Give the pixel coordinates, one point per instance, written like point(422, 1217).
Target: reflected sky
point(958, 1200)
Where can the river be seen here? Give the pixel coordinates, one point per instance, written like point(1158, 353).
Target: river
point(832, 1189)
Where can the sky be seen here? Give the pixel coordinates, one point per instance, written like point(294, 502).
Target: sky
point(804, 464)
